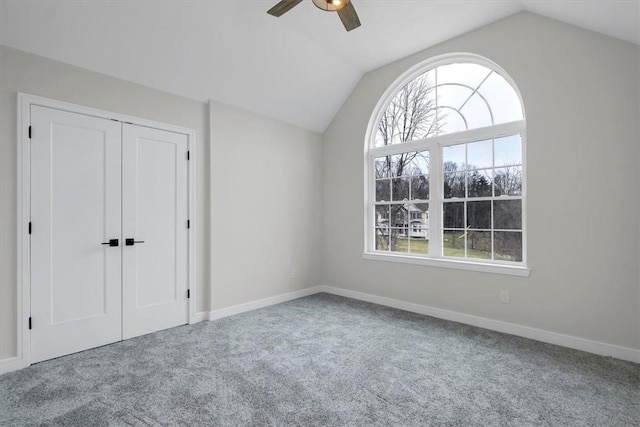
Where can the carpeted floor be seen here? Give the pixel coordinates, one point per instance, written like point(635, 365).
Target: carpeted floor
point(325, 361)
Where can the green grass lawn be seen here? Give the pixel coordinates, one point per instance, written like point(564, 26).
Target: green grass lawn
point(403, 244)
point(415, 246)
point(453, 247)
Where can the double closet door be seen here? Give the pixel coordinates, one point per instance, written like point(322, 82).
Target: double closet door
point(109, 238)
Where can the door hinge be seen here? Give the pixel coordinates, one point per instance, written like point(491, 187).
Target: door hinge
point(188, 223)
point(29, 322)
point(29, 132)
point(188, 293)
point(188, 155)
point(29, 227)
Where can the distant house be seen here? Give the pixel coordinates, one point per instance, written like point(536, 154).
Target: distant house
point(410, 221)
point(418, 222)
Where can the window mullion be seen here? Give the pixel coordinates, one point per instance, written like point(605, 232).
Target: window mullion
point(435, 201)
point(370, 223)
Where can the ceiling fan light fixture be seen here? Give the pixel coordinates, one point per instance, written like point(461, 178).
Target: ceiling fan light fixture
point(330, 5)
point(346, 12)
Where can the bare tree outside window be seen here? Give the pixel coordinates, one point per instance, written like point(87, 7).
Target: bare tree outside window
point(410, 116)
point(470, 118)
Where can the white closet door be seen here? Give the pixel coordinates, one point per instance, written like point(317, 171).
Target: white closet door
point(154, 212)
point(76, 206)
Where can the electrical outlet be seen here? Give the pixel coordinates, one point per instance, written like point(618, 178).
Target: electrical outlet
point(292, 274)
point(504, 296)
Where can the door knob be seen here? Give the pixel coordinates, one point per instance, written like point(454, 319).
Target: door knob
point(112, 242)
point(131, 242)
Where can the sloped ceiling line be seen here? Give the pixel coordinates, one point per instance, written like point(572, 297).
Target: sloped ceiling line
point(298, 68)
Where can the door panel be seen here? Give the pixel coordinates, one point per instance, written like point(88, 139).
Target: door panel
point(155, 210)
point(75, 205)
point(156, 221)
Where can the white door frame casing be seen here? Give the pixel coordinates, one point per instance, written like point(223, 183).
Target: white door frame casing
point(23, 302)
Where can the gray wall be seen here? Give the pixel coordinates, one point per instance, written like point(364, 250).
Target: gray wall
point(266, 207)
point(245, 147)
point(581, 95)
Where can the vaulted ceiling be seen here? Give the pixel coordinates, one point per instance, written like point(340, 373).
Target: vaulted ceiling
point(298, 68)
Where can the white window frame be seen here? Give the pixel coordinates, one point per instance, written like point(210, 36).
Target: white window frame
point(434, 146)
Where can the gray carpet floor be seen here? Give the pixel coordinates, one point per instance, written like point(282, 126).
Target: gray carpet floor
point(325, 361)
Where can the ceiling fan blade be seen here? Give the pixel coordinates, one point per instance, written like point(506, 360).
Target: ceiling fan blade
point(349, 17)
point(283, 7)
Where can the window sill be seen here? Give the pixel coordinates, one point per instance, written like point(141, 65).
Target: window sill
point(450, 263)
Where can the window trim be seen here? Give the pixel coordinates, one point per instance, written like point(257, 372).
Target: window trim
point(458, 264)
point(434, 145)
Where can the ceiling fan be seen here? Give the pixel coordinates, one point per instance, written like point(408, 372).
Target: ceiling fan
point(345, 9)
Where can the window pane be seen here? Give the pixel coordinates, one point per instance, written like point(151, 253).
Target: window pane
point(383, 190)
point(383, 167)
point(382, 239)
point(453, 243)
point(398, 216)
point(479, 244)
point(380, 140)
point(419, 220)
point(479, 155)
point(454, 185)
point(508, 246)
point(453, 215)
point(508, 181)
point(420, 164)
point(419, 228)
point(400, 189)
point(420, 187)
point(465, 73)
point(476, 113)
point(453, 95)
point(419, 246)
point(398, 240)
point(382, 216)
point(399, 165)
point(479, 215)
point(508, 150)
point(410, 113)
point(479, 183)
point(450, 121)
point(453, 157)
point(502, 98)
point(507, 214)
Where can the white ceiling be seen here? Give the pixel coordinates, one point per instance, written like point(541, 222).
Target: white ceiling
point(298, 68)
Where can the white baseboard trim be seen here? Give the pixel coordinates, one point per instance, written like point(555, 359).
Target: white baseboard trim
point(261, 303)
point(12, 364)
point(595, 347)
point(199, 317)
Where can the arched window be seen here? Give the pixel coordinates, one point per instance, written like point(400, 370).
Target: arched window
point(445, 167)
